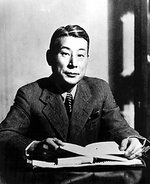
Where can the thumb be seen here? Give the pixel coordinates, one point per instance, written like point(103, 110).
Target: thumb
point(58, 142)
point(124, 144)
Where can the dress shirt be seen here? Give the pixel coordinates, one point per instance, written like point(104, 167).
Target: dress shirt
point(72, 91)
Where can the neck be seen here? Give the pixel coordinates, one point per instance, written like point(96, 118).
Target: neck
point(62, 86)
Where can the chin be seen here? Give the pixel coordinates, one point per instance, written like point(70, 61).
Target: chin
point(72, 81)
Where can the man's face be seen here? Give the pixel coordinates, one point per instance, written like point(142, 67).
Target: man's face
point(70, 62)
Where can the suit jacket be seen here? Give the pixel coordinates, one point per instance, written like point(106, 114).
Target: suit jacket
point(38, 112)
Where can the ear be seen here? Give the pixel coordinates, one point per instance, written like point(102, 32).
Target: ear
point(49, 57)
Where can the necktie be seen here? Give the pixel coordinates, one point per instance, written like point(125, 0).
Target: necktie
point(69, 103)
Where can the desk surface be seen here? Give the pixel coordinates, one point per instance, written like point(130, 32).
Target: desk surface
point(35, 176)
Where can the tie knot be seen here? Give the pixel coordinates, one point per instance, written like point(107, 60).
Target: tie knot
point(69, 96)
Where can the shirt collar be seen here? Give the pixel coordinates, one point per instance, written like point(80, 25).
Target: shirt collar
point(73, 91)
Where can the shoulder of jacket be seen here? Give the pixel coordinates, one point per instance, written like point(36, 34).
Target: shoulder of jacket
point(33, 87)
point(94, 81)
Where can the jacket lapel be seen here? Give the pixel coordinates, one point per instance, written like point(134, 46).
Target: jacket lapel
point(55, 112)
point(82, 109)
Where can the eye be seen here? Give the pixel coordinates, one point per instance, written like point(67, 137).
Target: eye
point(81, 55)
point(65, 54)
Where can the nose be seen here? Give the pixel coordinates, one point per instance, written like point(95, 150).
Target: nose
point(72, 63)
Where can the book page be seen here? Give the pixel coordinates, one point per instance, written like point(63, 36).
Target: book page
point(99, 148)
point(75, 160)
point(44, 164)
point(102, 150)
point(74, 148)
point(106, 150)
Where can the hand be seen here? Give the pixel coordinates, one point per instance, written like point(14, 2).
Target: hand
point(132, 147)
point(46, 149)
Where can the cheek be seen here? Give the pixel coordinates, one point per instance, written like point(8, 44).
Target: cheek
point(83, 67)
point(60, 65)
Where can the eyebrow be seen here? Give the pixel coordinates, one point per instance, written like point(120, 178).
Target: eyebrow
point(64, 47)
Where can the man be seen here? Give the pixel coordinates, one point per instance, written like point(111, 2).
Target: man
point(38, 122)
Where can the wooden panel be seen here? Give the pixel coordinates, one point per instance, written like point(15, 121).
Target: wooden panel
point(141, 68)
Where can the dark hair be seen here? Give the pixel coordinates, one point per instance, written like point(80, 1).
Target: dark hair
point(69, 30)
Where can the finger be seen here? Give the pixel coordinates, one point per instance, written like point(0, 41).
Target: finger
point(49, 155)
point(135, 155)
point(135, 147)
point(58, 142)
point(45, 146)
point(52, 144)
point(133, 152)
point(130, 150)
point(124, 144)
point(138, 150)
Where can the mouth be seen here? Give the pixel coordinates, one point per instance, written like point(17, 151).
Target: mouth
point(71, 74)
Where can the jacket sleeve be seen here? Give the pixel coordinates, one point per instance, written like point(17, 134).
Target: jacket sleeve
point(113, 120)
point(15, 126)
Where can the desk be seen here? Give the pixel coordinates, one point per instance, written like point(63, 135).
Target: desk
point(35, 176)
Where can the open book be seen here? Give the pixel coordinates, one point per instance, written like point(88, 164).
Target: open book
point(100, 153)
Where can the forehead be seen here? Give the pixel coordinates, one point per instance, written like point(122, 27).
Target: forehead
point(73, 43)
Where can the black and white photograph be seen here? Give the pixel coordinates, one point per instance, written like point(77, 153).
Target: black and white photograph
point(74, 91)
